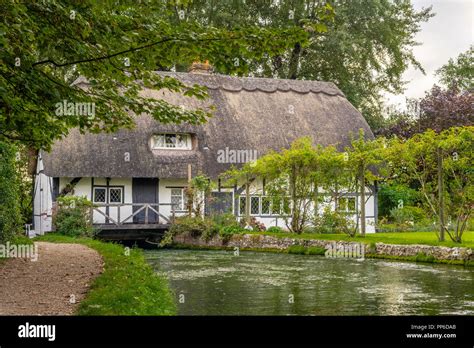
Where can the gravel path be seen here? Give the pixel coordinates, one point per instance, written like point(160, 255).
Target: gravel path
point(62, 274)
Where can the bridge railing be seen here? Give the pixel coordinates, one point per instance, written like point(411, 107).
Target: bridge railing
point(114, 213)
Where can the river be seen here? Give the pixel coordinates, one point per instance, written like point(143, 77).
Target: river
point(256, 283)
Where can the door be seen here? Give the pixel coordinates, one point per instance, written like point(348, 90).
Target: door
point(145, 190)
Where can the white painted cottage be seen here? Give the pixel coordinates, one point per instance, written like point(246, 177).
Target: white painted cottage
point(134, 176)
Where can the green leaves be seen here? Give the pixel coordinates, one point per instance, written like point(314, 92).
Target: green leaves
point(115, 47)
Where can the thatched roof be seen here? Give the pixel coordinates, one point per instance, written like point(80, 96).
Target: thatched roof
point(251, 114)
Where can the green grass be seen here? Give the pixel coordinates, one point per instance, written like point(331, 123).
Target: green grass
point(128, 285)
point(427, 238)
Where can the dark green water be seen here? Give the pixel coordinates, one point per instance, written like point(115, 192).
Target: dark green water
point(219, 283)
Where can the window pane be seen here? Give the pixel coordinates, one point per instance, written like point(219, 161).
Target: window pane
point(266, 202)
point(99, 195)
point(254, 205)
point(177, 198)
point(242, 205)
point(160, 141)
point(115, 195)
point(170, 140)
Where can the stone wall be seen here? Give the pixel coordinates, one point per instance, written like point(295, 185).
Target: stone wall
point(254, 241)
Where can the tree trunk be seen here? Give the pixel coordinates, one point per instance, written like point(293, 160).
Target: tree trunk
point(440, 195)
point(294, 62)
point(362, 200)
point(247, 200)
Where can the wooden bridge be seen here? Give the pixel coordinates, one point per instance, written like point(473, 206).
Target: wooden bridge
point(145, 220)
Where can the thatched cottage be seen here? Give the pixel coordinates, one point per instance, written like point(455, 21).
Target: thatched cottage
point(134, 176)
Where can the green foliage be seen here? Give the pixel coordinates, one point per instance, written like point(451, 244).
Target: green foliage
point(192, 226)
point(73, 216)
point(430, 158)
point(10, 216)
point(422, 257)
point(315, 250)
point(275, 229)
point(128, 285)
point(227, 232)
point(392, 195)
point(459, 72)
point(296, 249)
point(333, 222)
point(47, 45)
point(197, 192)
point(408, 215)
point(353, 43)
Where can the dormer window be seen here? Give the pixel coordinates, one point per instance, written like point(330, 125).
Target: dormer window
point(177, 141)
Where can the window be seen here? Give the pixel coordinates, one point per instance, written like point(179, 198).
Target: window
point(176, 141)
point(347, 205)
point(110, 195)
point(266, 206)
point(263, 205)
point(115, 195)
point(177, 198)
point(99, 194)
point(255, 205)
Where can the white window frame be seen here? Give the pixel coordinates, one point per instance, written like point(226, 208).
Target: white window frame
point(171, 146)
point(121, 194)
point(105, 195)
point(346, 206)
point(182, 207)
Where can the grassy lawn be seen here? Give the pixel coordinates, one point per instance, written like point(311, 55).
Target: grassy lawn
point(128, 285)
point(428, 238)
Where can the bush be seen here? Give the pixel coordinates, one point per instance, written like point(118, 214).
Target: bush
point(193, 226)
point(297, 249)
point(10, 216)
point(333, 222)
point(227, 232)
point(275, 229)
point(73, 216)
point(408, 215)
point(390, 195)
point(224, 220)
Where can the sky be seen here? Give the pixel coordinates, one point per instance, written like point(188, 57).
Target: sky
point(446, 35)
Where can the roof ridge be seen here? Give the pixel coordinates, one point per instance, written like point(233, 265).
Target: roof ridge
point(250, 84)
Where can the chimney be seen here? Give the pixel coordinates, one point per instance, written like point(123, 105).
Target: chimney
point(200, 68)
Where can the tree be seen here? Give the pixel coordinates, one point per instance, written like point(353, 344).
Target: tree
point(10, 216)
point(116, 47)
point(364, 159)
point(364, 50)
point(459, 72)
point(442, 166)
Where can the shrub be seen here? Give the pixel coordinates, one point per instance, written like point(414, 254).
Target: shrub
point(408, 214)
point(193, 226)
point(296, 249)
point(333, 222)
point(10, 216)
point(275, 229)
point(73, 216)
point(224, 220)
point(390, 195)
point(229, 231)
